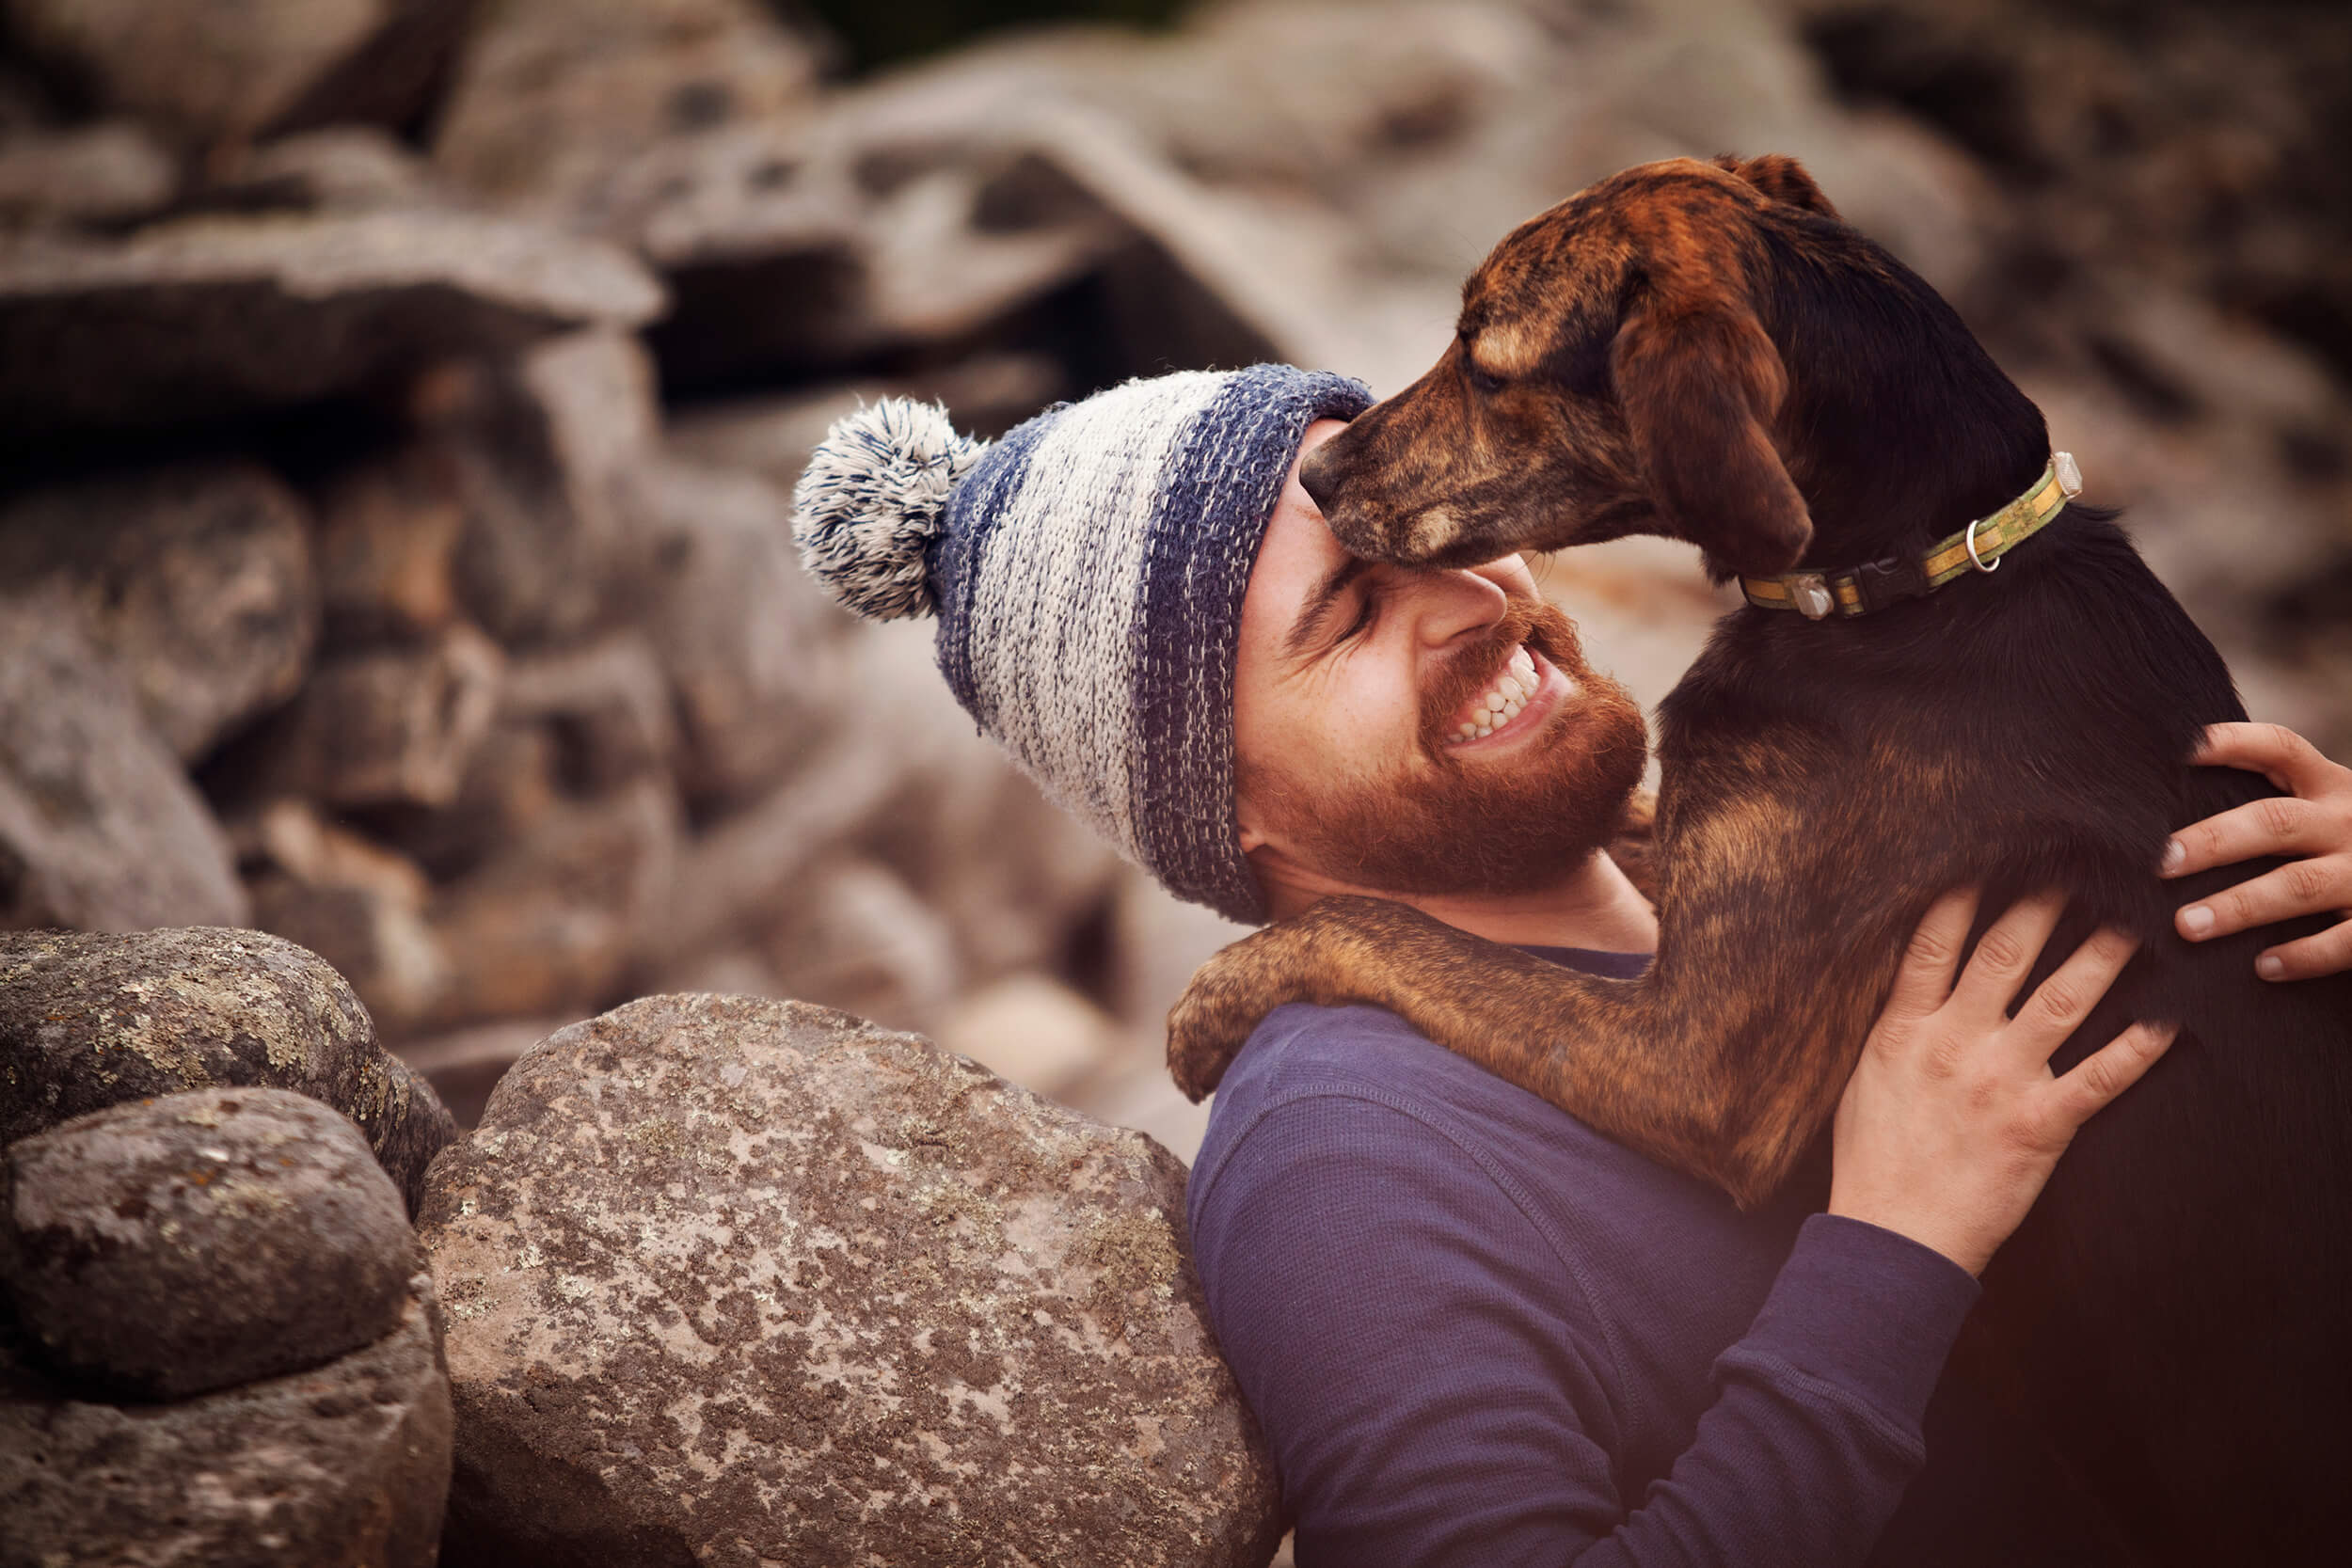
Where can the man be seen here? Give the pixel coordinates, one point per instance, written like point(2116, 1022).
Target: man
point(1473, 1330)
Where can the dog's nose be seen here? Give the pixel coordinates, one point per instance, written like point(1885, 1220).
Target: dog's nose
point(1319, 476)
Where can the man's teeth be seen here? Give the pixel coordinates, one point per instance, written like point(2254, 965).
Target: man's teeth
point(1502, 703)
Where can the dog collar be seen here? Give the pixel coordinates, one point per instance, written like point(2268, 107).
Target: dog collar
point(1977, 548)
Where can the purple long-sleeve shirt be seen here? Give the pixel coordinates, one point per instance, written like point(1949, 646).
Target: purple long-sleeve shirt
point(1477, 1332)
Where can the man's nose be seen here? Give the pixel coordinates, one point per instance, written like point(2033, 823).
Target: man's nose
point(1454, 602)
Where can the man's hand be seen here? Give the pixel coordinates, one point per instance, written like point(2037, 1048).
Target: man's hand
point(1952, 1120)
point(2312, 824)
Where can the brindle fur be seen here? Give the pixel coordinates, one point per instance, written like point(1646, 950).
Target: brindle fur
point(1707, 352)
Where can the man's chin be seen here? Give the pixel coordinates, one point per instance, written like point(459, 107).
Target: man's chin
point(1517, 824)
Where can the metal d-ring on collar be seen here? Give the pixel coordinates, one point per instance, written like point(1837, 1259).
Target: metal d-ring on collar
point(1973, 558)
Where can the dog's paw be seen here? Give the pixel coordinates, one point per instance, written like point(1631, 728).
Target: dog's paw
point(1230, 993)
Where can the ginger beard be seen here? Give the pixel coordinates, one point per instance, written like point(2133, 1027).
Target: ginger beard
point(1448, 824)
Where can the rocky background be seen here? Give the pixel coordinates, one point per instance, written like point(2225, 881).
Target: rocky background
point(399, 406)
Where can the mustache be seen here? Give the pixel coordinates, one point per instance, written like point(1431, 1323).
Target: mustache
point(1474, 670)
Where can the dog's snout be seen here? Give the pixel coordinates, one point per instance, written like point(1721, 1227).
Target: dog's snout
point(1319, 475)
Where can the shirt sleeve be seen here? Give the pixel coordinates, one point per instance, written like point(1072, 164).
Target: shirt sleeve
point(1434, 1396)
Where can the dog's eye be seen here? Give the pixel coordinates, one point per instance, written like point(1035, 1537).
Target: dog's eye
point(1486, 384)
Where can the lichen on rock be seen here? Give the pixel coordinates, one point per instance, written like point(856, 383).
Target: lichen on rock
point(739, 1281)
point(88, 1021)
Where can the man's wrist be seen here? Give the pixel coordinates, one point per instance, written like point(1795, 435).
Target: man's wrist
point(1865, 1308)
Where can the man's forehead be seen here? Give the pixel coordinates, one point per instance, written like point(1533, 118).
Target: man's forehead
point(1298, 550)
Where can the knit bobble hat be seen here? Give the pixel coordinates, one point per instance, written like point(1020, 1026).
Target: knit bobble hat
point(1087, 572)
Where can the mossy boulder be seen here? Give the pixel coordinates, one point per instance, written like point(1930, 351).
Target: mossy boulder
point(89, 1021)
point(735, 1281)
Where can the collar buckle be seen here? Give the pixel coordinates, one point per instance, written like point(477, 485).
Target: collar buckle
point(1880, 583)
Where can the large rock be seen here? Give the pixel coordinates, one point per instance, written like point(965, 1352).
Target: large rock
point(539, 450)
point(855, 936)
point(196, 578)
point(344, 1463)
point(87, 1021)
point(358, 904)
point(608, 705)
point(343, 168)
point(388, 727)
point(388, 538)
point(550, 924)
point(554, 95)
point(735, 1281)
point(772, 435)
point(99, 829)
point(211, 318)
point(112, 172)
point(216, 70)
point(745, 635)
point(173, 1246)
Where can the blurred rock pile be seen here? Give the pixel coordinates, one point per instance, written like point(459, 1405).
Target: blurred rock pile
point(399, 401)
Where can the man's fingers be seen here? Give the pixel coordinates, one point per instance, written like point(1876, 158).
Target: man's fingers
point(2280, 825)
point(2093, 1084)
point(2291, 761)
point(2317, 886)
point(1933, 956)
point(2004, 954)
point(2062, 1001)
point(2327, 952)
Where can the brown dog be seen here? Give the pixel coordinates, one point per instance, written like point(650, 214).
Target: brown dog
point(1705, 351)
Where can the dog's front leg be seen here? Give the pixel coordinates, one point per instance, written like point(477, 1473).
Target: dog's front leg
point(1718, 1064)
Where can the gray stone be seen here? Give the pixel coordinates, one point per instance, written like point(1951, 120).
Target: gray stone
point(608, 705)
point(388, 727)
point(345, 1464)
point(173, 1246)
point(196, 577)
point(513, 785)
point(540, 449)
point(554, 95)
point(791, 246)
point(772, 435)
point(387, 541)
point(354, 903)
point(551, 924)
point(111, 173)
point(744, 634)
point(87, 1021)
point(210, 318)
point(854, 936)
point(734, 1281)
point(99, 829)
point(208, 67)
point(343, 168)
point(219, 72)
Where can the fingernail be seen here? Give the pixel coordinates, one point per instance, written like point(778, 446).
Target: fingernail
point(2174, 853)
point(2195, 920)
point(2271, 967)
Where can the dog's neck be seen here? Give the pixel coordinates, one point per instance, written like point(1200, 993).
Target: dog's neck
point(1899, 426)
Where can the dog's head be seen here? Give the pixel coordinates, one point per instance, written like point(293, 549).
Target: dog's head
point(1612, 373)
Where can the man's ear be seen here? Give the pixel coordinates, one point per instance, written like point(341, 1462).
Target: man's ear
point(1782, 178)
point(1700, 383)
point(1246, 817)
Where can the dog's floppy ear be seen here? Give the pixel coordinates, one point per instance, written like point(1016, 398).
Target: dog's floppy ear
point(1782, 178)
point(1700, 382)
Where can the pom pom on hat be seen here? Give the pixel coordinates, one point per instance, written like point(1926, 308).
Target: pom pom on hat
point(873, 501)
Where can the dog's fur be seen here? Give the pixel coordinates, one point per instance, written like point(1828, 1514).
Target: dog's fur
point(1705, 351)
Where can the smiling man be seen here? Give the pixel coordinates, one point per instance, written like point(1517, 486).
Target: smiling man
point(1473, 1330)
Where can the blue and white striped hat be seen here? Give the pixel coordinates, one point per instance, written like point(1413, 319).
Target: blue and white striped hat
point(1087, 572)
